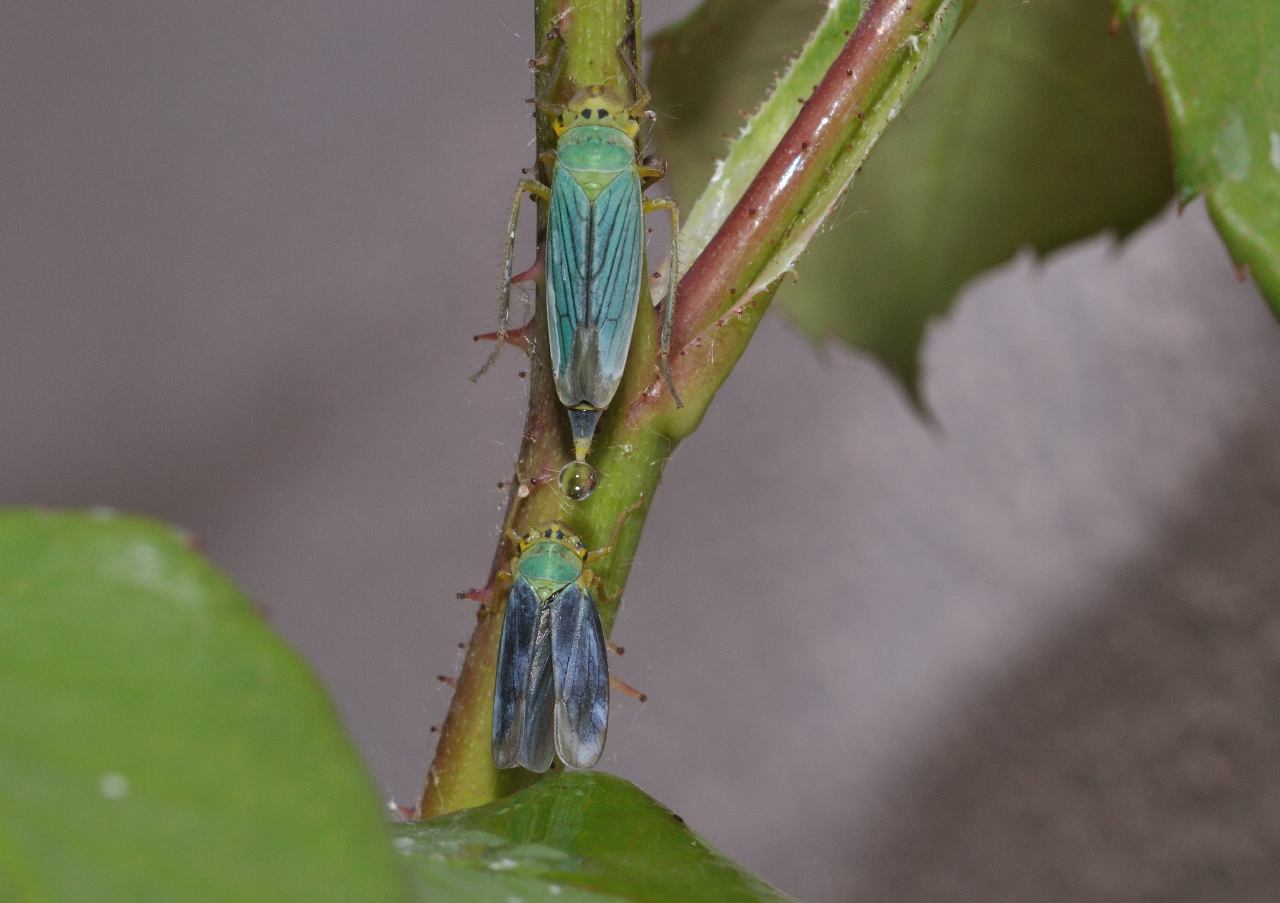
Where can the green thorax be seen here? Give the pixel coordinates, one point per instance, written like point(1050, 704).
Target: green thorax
point(594, 155)
point(549, 567)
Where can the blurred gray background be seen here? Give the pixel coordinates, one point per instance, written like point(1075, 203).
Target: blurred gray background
point(1028, 655)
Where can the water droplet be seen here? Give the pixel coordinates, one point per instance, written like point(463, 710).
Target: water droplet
point(113, 786)
point(578, 480)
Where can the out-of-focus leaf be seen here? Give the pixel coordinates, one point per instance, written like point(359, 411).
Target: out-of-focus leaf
point(157, 741)
point(1036, 128)
point(1217, 63)
point(580, 836)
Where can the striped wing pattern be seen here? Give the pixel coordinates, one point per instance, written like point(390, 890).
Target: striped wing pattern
point(515, 653)
point(581, 669)
point(596, 259)
point(536, 746)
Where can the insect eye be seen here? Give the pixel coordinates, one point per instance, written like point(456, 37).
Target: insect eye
point(586, 114)
point(601, 114)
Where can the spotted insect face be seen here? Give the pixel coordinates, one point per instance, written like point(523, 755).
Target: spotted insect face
point(556, 532)
point(596, 105)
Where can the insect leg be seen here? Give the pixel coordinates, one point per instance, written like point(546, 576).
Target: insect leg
point(547, 160)
point(621, 522)
point(651, 169)
point(669, 293)
point(640, 103)
point(552, 76)
point(544, 51)
point(543, 193)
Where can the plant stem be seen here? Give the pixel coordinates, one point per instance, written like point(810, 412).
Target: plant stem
point(721, 298)
point(462, 773)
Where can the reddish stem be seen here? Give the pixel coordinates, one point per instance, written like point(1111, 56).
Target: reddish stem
point(759, 221)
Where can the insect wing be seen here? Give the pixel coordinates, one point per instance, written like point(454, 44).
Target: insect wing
point(596, 252)
point(537, 746)
point(581, 677)
point(617, 260)
point(567, 274)
point(515, 658)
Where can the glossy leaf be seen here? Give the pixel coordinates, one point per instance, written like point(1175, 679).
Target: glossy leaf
point(577, 836)
point(1037, 128)
point(1218, 68)
point(157, 741)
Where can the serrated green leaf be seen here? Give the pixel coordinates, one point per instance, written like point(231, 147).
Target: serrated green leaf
point(1217, 63)
point(580, 836)
point(157, 741)
point(1036, 128)
point(710, 76)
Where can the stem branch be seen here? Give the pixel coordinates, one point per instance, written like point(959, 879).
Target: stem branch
point(721, 298)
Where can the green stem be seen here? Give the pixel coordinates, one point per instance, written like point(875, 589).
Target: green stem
point(722, 296)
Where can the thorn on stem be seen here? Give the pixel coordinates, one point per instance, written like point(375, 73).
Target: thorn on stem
point(401, 812)
point(533, 274)
point(626, 689)
point(518, 337)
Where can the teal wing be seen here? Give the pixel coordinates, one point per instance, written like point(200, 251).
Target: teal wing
point(568, 268)
point(617, 265)
point(596, 262)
